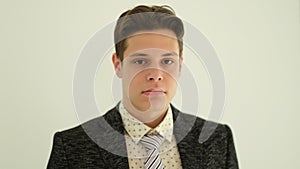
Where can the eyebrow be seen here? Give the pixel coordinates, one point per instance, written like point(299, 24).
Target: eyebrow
point(170, 54)
point(145, 54)
point(138, 54)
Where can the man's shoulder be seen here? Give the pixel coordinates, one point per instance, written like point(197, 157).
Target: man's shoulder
point(196, 120)
point(77, 130)
point(202, 127)
point(75, 134)
point(81, 131)
point(111, 121)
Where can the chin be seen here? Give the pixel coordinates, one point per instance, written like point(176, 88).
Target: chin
point(157, 104)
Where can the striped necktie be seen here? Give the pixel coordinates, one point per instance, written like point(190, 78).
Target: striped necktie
point(152, 143)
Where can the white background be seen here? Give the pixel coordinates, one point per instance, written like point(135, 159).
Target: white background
point(257, 42)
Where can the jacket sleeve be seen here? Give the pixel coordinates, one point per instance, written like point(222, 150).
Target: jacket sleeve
point(57, 158)
point(231, 157)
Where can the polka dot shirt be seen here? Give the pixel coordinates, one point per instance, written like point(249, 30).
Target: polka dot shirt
point(135, 130)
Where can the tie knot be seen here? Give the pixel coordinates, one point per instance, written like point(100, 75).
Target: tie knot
point(151, 142)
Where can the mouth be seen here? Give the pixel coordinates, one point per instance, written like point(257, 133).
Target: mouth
point(154, 92)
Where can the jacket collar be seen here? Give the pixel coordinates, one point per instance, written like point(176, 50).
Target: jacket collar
point(186, 132)
point(191, 152)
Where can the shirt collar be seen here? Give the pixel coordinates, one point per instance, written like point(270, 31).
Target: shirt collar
point(136, 129)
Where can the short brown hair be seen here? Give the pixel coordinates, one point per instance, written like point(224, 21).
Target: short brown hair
point(146, 18)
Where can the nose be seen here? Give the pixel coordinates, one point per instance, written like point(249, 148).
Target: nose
point(155, 75)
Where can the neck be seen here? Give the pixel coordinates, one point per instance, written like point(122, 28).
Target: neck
point(157, 121)
point(151, 118)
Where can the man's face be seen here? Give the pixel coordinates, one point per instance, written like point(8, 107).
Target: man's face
point(150, 70)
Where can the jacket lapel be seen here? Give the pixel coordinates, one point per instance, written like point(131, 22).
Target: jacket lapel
point(191, 151)
point(110, 139)
point(117, 159)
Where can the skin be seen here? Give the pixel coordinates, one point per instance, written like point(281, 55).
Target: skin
point(149, 71)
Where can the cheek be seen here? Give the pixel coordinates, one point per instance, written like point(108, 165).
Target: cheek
point(135, 83)
point(131, 74)
point(172, 73)
point(172, 85)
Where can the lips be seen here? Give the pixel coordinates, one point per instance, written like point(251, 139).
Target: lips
point(154, 91)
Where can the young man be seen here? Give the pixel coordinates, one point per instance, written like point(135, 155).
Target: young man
point(144, 130)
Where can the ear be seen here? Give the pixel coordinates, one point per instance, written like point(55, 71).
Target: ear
point(117, 65)
point(180, 63)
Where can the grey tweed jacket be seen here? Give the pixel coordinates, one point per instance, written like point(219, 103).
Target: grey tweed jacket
point(100, 143)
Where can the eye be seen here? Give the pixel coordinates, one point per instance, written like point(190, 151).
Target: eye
point(167, 61)
point(139, 61)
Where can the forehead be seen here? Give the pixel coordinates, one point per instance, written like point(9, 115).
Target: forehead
point(164, 40)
